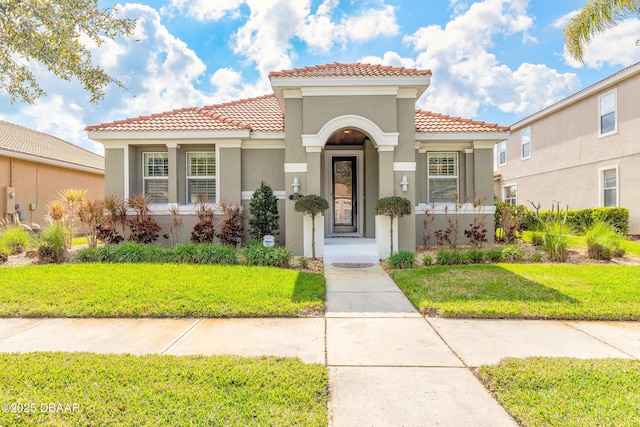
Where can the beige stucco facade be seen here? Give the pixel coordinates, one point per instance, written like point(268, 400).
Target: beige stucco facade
point(321, 118)
point(36, 183)
point(575, 158)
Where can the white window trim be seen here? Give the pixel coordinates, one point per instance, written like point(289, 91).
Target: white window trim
point(216, 152)
point(522, 144)
point(457, 176)
point(615, 124)
point(601, 184)
point(504, 187)
point(144, 178)
point(505, 153)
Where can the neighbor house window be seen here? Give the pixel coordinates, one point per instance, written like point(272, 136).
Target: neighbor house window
point(609, 186)
point(155, 177)
point(525, 137)
point(201, 177)
point(502, 153)
point(607, 111)
point(510, 194)
point(443, 177)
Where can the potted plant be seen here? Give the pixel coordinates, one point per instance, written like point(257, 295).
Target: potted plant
point(393, 207)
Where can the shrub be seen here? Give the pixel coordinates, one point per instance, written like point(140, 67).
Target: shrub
point(260, 255)
point(137, 252)
point(108, 234)
point(475, 255)
point(582, 219)
point(603, 241)
point(91, 214)
point(15, 239)
point(535, 257)
point(52, 249)
point(312, 205)
point(144, 229)
point(303, 262)
point(509, 219)
point(512, 253)
point(477, 234)
point(402, 259)
point(203, 232)
point(493, 254)
point(88, 254)
point(450, 257)
point(556, 247)
point(427, 260)
point(184, 253)
point(231, 231)
point(264, 213)
point(216, 254)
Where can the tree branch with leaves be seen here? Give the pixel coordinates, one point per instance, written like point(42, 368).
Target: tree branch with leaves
point(55, 33)
point(595, 17)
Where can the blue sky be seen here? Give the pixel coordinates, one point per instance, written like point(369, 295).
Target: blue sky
point(492, 60)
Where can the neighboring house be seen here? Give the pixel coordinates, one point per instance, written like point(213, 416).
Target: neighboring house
point(347, 132)
point(583, 151)
point(34, 167)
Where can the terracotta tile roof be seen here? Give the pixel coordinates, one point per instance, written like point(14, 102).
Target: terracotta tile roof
point(261, 114)
point(338, 69)
point(21, 140)
point(428, 122)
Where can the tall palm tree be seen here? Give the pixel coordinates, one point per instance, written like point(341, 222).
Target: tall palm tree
point(595, 17)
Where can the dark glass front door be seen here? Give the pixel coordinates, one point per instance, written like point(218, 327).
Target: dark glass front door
point(344, 196)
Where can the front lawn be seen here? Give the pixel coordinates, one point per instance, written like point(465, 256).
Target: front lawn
point(82, 389)
point(526, 291)
point(567, 392)
point(158, 290)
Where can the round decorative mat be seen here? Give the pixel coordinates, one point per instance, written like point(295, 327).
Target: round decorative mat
point(353, 265)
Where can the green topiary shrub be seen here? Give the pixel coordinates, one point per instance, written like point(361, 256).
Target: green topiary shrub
point(312, 205)
point(393, 207)
point(264, 218)
point(402, 260)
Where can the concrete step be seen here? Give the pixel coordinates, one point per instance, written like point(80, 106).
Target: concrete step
point(350, 251)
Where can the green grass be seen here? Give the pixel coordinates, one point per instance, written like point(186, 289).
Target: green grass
point(528, 291)
point(158, 290)
point(153, 390)
point(567, 392)
point(630, 247)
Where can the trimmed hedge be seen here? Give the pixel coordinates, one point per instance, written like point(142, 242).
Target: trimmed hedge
point(581, 219)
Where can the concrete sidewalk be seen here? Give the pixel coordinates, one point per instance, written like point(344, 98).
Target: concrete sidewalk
point(388, 365)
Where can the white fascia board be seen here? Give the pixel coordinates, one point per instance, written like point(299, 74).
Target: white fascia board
point(302, 82)
point(102, 136)
point(350, 91)
point(445, 146)
point(267, 135)
point(483, 136)
point(579, 96)
point(52, 162)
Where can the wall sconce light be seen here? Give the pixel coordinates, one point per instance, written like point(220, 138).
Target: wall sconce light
point(404, 183)
point(12, 195)
point(296, 184)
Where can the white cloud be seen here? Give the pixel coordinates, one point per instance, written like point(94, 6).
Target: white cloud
point(616, 46)
point(203, 10)
point(564, 19)
point(468, 77)
point(389, 58)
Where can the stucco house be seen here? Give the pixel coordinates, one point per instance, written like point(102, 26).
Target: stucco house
point(583, 150)
point(347, 132)
point(35, 166)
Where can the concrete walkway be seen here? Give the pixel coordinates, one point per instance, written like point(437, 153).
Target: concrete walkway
point(388, 365)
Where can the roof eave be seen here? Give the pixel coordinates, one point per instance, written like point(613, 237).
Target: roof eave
point(579, 96)
point(52, 162)
point(460, 136)
point(106, 136)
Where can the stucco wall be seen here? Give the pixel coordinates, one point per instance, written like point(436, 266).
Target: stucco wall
point(40, 183)
point(567, 152)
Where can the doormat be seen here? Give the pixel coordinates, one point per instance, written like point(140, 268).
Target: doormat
point(353, 264)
